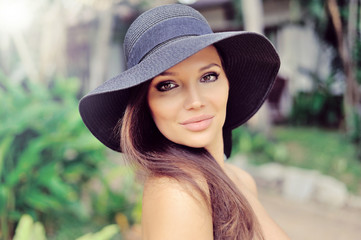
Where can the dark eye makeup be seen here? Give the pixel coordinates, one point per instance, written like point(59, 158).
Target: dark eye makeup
point(210, 77)
point(164, 86)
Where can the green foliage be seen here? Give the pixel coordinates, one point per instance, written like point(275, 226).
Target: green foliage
point(317, 11)
point(319, 107)
point(27, 229)
point(113, 199)
point(355, 133)
point(237, 5)
point(257, 144)
point(46, 152)
point(316, 109)
point(328, 152)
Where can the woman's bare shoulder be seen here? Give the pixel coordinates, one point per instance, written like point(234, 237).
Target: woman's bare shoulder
point(154, 186)
point(247, 186)
point(245, 179)
point(173, 211)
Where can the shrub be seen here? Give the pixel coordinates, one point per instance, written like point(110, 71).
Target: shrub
point(46, 153)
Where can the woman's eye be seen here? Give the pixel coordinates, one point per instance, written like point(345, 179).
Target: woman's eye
point(210, 77)
point(165, 86)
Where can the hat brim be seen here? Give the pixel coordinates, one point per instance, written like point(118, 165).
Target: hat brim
point(251, 64)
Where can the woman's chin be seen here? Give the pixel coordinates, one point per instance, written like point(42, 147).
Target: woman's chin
point(197, 142)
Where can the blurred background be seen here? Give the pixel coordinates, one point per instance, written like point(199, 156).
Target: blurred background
point(303, 147)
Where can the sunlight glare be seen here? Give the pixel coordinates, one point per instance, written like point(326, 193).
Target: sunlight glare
point(15, 16)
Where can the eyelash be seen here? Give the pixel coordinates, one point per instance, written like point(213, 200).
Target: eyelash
point(212, 74)
point(166, 85)
point(161, 86)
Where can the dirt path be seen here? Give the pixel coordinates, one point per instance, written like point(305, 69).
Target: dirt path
point(312, 221)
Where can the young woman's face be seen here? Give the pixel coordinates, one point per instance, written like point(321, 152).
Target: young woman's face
point(188, 101)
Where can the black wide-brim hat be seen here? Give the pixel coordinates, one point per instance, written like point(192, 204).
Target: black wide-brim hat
point(165, 36)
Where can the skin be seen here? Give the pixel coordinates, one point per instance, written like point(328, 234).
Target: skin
point(197, 88)
point(194, 89)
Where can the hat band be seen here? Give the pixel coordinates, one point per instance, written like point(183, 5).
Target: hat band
point(165, 31)
point(164, 44)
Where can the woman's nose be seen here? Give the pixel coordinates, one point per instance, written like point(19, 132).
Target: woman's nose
point(193, 98)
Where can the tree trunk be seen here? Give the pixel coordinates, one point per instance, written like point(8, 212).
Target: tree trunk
point(99, 59)
point(53, 41)
point(345, 46)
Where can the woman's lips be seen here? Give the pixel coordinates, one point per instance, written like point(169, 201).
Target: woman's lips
point(199, 123)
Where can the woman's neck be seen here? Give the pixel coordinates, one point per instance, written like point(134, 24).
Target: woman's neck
point(219, 156)
point(216, 149)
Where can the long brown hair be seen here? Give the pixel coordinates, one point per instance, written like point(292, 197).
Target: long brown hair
point(153, 154)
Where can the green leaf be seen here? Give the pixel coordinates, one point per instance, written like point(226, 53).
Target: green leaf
point(4, 196)
point(61, 190)
point(74, 172)
point(24, 228)
point(5, 144)
point(47, 155)
point(27, 229)
point(41, 201)
point(28, 160)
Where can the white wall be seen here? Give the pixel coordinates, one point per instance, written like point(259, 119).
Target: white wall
point(301, 51)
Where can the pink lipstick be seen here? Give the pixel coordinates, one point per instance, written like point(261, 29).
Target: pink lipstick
point(199, 123)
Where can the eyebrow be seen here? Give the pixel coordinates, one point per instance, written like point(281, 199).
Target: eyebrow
point(167, 74)
point(200, 70)
point(209, 66)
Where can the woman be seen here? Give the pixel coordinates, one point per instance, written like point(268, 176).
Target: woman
point(172, 111)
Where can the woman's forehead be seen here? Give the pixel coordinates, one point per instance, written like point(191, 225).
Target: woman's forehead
point(205, 58)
